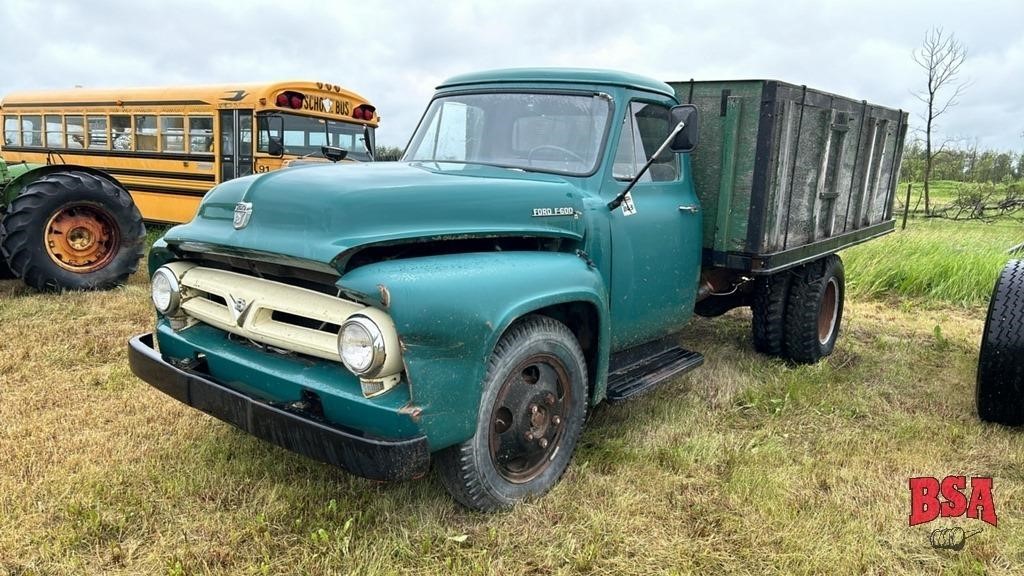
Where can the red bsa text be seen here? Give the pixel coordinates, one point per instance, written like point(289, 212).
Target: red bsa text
point(930, 499)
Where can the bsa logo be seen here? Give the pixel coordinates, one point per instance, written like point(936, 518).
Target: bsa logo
point(930, 499)
point(243, 211)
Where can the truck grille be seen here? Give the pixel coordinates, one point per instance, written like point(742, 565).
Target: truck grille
point(268, 312)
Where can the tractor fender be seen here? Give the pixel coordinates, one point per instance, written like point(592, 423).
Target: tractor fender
point(18, 183)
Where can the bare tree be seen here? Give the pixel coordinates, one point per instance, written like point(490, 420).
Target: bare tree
point(941, 56)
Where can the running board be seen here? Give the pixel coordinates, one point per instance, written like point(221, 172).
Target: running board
point(641, 375)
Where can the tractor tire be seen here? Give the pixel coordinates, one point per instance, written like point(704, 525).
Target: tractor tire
point(814, 310)
point(1000, 383)
point(72, 231)
point(5, 270)
point(769, 313)
point(531, 414)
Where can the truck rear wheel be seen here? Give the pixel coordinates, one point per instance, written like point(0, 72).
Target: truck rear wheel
point(1000, 383)
point(814, 310)
point(531, 414)
point(769, 313)
point(72, 231)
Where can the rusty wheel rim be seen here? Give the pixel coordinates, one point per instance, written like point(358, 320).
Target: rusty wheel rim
point(829, 311)
point(81, 238)
point(528, 418)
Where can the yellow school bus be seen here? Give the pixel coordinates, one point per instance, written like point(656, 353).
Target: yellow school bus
point(168, 146)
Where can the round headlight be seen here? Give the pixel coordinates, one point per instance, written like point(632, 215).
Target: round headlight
point(361, 346)
point(166, 291)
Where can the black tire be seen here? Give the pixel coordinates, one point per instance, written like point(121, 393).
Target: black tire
point(25, 230)
point(769, 313)
point(5, 270)
point(472, 472)
point(1000, 384)
point(814, 310)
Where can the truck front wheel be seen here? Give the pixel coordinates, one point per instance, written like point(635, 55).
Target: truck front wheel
point(531, 414)
point(72, 231)
point(1000, 384)
point(814, 310)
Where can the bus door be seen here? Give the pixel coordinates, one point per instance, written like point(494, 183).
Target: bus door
point(235, 144)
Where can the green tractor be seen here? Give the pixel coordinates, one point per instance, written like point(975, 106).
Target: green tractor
point(66, 227)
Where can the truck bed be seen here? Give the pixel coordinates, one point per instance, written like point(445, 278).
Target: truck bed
point(786, 173)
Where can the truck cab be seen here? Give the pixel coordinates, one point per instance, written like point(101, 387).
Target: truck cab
point(532, 255)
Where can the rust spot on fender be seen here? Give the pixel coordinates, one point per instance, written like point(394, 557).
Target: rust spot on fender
point(412, 411)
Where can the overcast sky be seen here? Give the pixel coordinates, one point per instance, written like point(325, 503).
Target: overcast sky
point(395, 53)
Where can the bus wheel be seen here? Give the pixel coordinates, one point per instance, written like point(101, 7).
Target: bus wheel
point(72, 231)
point(1000, 384)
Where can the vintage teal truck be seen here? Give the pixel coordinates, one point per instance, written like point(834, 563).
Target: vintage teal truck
point(545, 237)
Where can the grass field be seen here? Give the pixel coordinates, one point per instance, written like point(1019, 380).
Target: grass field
point(938, 261)
point(746, 466)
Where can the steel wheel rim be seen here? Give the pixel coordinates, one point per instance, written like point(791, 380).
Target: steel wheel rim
point(527, 422)
point(829, 311)
point(81, 238)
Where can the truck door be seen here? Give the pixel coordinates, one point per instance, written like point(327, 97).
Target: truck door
point(235, 150)
point(656, 250)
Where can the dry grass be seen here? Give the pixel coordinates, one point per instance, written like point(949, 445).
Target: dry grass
point(745, 466)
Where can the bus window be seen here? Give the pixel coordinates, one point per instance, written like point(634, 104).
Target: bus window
point(75, 131)
point(54, 131)
point(32, 131)
point(172, 133)
point(121, 131)
point(244, 143)
point(145, 133)
point(12, 135)
point(200, 133)
point(304, 135)
point(98, 133)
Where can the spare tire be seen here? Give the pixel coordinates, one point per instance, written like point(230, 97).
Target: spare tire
point(72, 230)
point(1000, 384)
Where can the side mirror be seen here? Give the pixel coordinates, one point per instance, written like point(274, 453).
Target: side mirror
point(687, 138)
point(275, 147)
point(333, 153)
point(272, 124)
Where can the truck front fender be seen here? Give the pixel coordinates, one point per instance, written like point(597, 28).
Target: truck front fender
point(450, 311)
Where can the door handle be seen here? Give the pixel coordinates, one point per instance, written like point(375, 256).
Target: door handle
point(690, 209)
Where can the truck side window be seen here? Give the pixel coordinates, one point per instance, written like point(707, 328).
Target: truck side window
point(624, 166)
point(644, 129)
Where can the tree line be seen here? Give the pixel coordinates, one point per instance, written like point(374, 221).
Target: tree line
point(964, 164)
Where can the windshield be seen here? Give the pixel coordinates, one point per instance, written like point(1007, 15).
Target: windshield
point(559, 133)
point(302, 135)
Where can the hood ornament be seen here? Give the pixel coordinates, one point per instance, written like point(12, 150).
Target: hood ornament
point(243, 211)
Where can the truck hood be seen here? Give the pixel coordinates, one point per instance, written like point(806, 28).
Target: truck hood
point(324, 214)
